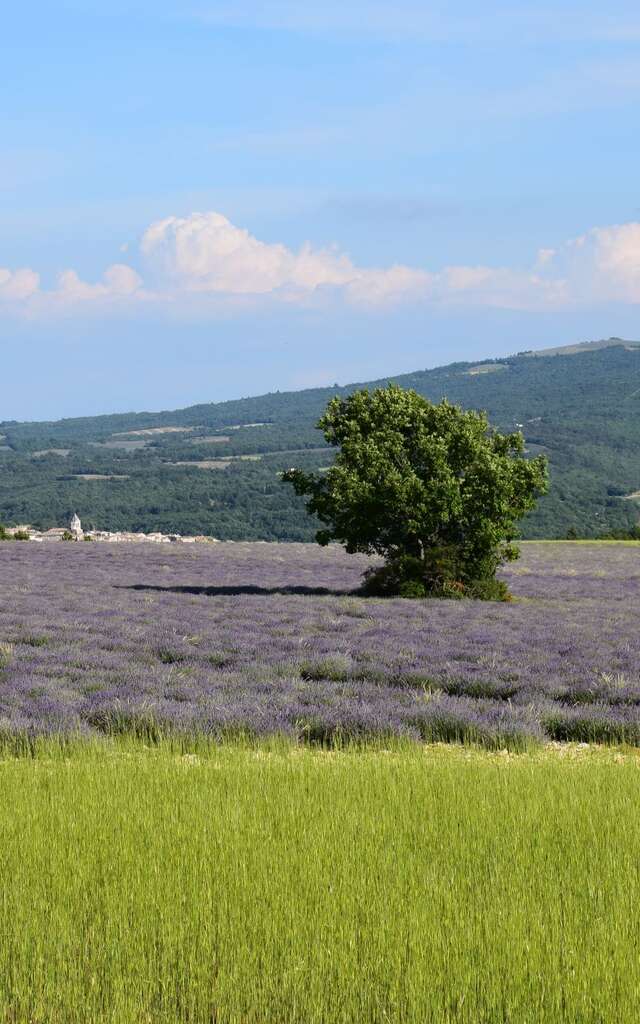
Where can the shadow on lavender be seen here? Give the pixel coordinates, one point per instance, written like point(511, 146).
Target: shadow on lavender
point(235, 591)
point(288, 646)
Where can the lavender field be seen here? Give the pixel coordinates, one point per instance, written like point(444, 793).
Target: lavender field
point(262, 639)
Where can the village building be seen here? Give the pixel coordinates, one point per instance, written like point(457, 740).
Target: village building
point(75, 527)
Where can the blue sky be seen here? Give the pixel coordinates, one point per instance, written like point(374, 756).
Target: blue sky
point(204, 200)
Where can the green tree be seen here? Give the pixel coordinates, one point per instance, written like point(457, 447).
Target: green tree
point(431, 488)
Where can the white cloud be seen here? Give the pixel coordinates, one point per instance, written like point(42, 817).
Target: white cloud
point(18, 284)
point(601, 265)
point(203, 263)
point(500, 288)
point(207, 253)
point(118, 281)
point(20, 291)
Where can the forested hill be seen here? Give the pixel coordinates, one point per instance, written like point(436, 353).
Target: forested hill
point(214, 468)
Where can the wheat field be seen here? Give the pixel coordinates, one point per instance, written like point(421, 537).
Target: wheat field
point(273, 883)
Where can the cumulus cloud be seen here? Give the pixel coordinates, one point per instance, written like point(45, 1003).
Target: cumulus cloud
point(207, 253)
point(601, 265)
point(205, 262)
point(118, 280)
point(18, 284)
point(20, 291)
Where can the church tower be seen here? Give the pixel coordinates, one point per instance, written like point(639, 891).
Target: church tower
point(75, 527)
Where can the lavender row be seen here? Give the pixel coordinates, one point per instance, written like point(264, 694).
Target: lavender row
point(265, 638)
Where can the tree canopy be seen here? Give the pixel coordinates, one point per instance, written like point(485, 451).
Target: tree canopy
point(432, 488)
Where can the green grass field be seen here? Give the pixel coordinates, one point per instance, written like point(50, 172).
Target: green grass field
point(275, 884)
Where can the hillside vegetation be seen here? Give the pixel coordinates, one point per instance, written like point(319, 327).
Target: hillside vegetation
point(215, 468)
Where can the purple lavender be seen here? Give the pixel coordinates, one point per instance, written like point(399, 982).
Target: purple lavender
point(262, 638)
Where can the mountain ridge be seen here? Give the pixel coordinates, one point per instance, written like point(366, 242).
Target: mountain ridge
point(571, 349)
point(213, 467)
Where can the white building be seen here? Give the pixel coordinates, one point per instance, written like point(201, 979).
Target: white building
point(75, 526)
